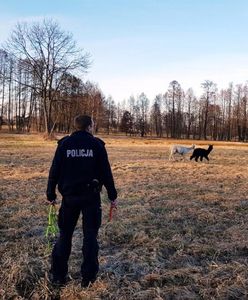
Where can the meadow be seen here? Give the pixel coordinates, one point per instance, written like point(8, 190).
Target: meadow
point(180, 231)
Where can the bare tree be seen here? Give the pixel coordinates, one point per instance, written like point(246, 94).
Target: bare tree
point(190, 97)
point(156, 116)
point(3, 75)
point(229, 117)
point(110, 114)
point(209, 88)
point(143, 106)
point(244, 113)
point(174, 95)
point(237, 110)
point(10, 94)
point(50, 53)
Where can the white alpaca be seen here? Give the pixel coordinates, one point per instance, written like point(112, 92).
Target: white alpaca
point(180, 150)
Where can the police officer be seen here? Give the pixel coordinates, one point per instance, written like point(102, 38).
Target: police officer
point(80, 167)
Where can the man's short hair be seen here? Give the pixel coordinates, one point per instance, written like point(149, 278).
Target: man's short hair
point(82, 122)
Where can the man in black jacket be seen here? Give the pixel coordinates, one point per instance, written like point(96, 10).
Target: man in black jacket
point(80, 167)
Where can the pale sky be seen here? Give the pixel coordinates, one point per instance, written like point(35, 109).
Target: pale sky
point(142, 45)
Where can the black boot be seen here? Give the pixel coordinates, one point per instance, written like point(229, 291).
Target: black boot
point(59, 282)
point(87, 282)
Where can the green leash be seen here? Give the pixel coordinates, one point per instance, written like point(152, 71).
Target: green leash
point(52, 227)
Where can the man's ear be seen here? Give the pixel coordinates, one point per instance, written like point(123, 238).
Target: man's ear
point(90, 128)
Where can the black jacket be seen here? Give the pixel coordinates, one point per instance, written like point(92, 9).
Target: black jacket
point(79, 158)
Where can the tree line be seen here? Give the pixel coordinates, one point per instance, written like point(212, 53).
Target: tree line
point(42, 89)
point(216, 115)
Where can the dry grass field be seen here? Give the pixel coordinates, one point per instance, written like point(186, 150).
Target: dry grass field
point(180, 232)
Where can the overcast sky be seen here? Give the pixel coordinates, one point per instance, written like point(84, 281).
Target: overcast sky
point(142, 45)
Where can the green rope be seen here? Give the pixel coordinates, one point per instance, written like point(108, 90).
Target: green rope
point(52, 227)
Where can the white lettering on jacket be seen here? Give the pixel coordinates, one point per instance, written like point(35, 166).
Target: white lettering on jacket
point(79, 153)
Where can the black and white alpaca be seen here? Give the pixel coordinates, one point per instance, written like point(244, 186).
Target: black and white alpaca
point(200, 152)
point(180, 150)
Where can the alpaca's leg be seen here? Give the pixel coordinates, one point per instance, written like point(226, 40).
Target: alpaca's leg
point(173, 155)
point(201, 158)
point(196, 158)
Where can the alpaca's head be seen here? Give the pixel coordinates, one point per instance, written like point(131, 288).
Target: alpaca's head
point(210, 148)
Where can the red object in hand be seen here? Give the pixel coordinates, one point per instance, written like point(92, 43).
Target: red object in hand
point(112, 206)
point(110, 213)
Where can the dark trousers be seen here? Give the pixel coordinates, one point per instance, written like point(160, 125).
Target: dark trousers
point(69, 213)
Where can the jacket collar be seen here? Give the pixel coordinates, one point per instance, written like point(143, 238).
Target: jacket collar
point(82, 132)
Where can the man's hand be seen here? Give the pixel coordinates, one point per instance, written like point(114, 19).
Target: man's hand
point(51, 198)
point(51, 202)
